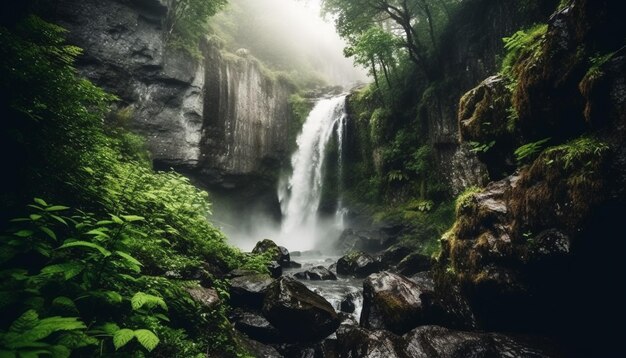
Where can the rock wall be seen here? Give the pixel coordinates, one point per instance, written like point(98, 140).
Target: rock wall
point(524, 246)
point(471, 48)
point(221, 120)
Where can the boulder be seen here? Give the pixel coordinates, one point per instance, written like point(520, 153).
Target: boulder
point(275, 269)
point(298, 313)
point(258, 349)
point(249, 291)
point(414, 263)
point(364, 240)
point(255, 326)
point(358, 264)
point(393, 256)
point(284, 258)
point(278, 253)
point(393, 302)
point(354, 341)
point(435, 341)
point(206, 297)
point(240, 272)
point(317, 273)
point(347, 302)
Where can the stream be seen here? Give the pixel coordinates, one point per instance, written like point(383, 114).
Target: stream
point(334, 291)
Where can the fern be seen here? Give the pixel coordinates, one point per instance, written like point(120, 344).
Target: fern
point(530, 150)
point(122, 337)
point(147, 339)
point(141, 299)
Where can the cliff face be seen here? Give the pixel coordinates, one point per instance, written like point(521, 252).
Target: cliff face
point(523, 247)
point(220, 119)
point(471, 49)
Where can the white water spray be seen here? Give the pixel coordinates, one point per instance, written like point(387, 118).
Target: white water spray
point(300, 194)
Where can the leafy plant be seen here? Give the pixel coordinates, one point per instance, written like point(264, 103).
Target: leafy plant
point(530, 150)
point(481, 147)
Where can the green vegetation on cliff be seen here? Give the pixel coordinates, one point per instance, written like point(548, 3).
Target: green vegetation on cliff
point(110, 273)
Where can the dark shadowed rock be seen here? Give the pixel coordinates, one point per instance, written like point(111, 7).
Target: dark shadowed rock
point(354, 341)
point(293, 264)
point(275, 269)
point(258, 349)
point(249, 291)
point(414, 263)
point(393, 302)
point(255, 326)
point(347, 303)
point(358, 264)
point(297, 312)
point(284, 256)
point(393, 256)
point(317, 273)
point(435, 341)
point(366, 240)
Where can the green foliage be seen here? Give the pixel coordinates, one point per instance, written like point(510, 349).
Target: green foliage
point(481, 147)
point(529, 151)
point(579, 152)
point(521, 43)
point(300, 109)
point(187, 23)
point(464, 200)
point(597, 62)
point(95, 264)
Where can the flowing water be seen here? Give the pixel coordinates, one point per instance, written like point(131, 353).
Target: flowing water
point(300, 193)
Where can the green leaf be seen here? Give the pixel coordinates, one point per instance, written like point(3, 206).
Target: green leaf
point(56, 208)
point(113, 297)
point(24, 233)
point(147, 339)
point(35, 217)
point(116, 219)
point(110, 327)
point(59, 219)
point(129, 258)
point(40, 202)
point(122, 337)
point(65, 303)
point(48, 232)
point(69, 269)
point(131, 218)
point(141, 299)
point(60, 351)
point(25, 322)
point(90, 245)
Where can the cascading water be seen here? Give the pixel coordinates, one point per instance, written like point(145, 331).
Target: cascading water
point(300, 194)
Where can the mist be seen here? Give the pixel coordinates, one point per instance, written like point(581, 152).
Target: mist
point(289, 36)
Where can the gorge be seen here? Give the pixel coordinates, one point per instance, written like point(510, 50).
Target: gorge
point(190, 178)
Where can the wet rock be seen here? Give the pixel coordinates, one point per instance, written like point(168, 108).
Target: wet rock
point(275, 269)
point(240, 272)
point(435, 341)
point(278, 253)
point(249, 291)
point(358, 264)
point(255, 326)
point(297, 312)
point(354, 341)
point(483, 119)
point(206, 297)
point(393, 256)
point(284, 256)
point(317, 273)
point(259, 349)
point(365, 240)
point(414, 263)
point(393, 302)
point(347, 303)
point(293, 264)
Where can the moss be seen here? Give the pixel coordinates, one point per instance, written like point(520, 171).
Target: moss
point(466, 198)
point(570, 176)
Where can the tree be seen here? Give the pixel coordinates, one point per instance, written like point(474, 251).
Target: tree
point(416, 22)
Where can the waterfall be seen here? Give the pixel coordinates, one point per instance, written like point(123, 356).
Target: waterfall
point(299, 194)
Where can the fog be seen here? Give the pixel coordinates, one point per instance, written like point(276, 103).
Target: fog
point(290, 36)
